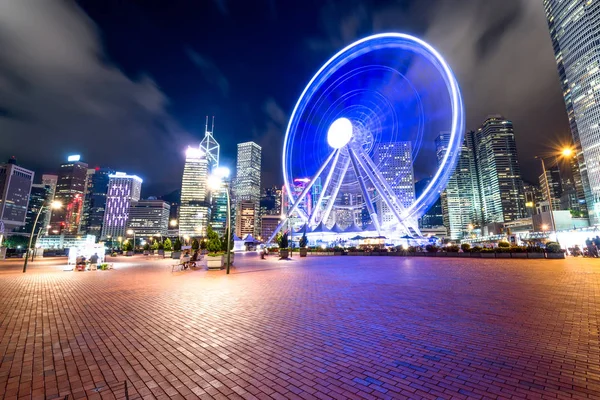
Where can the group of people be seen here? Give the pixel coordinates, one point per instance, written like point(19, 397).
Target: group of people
point(81, 262)
point(190, 261)
point(592, 245)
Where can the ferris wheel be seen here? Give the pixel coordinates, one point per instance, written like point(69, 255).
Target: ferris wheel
point(379, 114)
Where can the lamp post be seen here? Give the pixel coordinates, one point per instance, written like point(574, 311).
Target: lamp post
point(215, 181)
point(54, 205)
point(36, 239)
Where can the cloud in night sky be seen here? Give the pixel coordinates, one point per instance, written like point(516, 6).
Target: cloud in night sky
point(57, 88)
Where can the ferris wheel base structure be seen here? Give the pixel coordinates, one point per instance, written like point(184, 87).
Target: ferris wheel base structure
point(326, 128)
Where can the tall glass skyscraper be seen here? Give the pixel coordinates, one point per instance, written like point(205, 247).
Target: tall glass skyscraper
point(70, 192)
point(95, 201)
point(195, 206)
point(123, 190)
point(500, 181)
point(461, 201)
point(575, 32)
point(247, 188)
point(15, 187)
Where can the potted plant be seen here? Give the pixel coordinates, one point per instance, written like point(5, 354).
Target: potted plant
point(214, 258)
point(554, 251)
point(338, 251)
point(476, 251)
point(284, 252)
point(303, 242)
point(146, 249)
point(161, 249)
point(154, 247)
point(168, 247)
point(503, 250)
point(535, 252)
point(176, 254)
point(128, 248)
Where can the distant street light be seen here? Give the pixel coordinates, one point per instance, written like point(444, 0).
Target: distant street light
point(215, 182)
point(173, 223)
point(54, 205)
point(132, 232)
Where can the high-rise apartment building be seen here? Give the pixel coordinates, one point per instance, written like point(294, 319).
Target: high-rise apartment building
point(218, 213)
point(49, 180)
point(70, 192)
point(149, 217)
point(15, 187)
point(394, 161)
point(460, 201)
point(247, 188)
point(500, 182)
point(575, 32)
point(94, 203)
point(194, 211)
point(552, 183)
point(123, 190)
point(39, 197)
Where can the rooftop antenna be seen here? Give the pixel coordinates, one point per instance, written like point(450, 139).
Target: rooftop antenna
point(213, 125)
point(206, 125)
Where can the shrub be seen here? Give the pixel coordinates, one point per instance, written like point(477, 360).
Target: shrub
point(177, 245)
point(168, 246)
point(161, 246)
point(502, 249)
point(535, 249)
point(283, 241)
point(412, 249)
point(453, 248)
point(553, 247)
point(214, 243)
point(303, 241)
point(518, 249)
point(466, 247)
point(147, 246)
point(503, 244)
point(488, 250)
point(195, 244)
point(476, 249)
point(431, 248)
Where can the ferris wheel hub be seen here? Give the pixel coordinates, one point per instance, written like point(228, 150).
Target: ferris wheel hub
point(339, 133)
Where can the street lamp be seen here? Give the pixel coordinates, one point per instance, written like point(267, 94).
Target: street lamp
point(37, 237)
point(54, 205)
point(215, 182)
point(173, 223)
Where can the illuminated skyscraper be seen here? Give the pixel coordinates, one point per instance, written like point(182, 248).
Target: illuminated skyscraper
point(500, 182)
point(149, 217)
point(575, 32)
point(195, 206)
point(460, 201)
point(15, 187)
point(70, 192)
point(247, 187)
point(39, 196)
point(395, 164)
point(210, 146)
point(551, 182)
point(123, 190)
point(94, 203)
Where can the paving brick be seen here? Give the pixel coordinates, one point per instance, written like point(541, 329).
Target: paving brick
point(313, 328)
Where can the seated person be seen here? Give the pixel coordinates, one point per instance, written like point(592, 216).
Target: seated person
point(94, 259)
point(185, 259)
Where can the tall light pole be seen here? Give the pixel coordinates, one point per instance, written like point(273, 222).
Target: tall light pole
point(215, 182)
point(36, 239)
point(54, 205)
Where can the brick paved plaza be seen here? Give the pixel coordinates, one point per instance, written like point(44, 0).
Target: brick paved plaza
point(320, 327)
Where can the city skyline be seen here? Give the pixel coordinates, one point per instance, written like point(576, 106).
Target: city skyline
point(246, 105)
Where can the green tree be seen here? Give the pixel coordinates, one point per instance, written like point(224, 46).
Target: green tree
point(146, 246)
point(154, 245)
point(168, 245)
point(177, 245)
point(203, 244)
point(283, 242)
point(214, 243)
point(303, 241)
point(195, 244)
point(14, 241)
point(127, 246)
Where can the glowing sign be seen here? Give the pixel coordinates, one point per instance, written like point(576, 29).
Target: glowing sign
point(74, 157)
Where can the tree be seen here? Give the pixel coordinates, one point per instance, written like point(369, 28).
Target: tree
point(168, 245)
point(177, 245)
point(195, 244)
point(214, 243)
point(146, 246)
point(303, 241)
point(127, 246)
point(12, 242)
point(203, 244)
point(155, 245)
point(283, 242)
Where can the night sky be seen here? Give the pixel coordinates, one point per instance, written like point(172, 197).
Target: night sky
point(127, 84)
